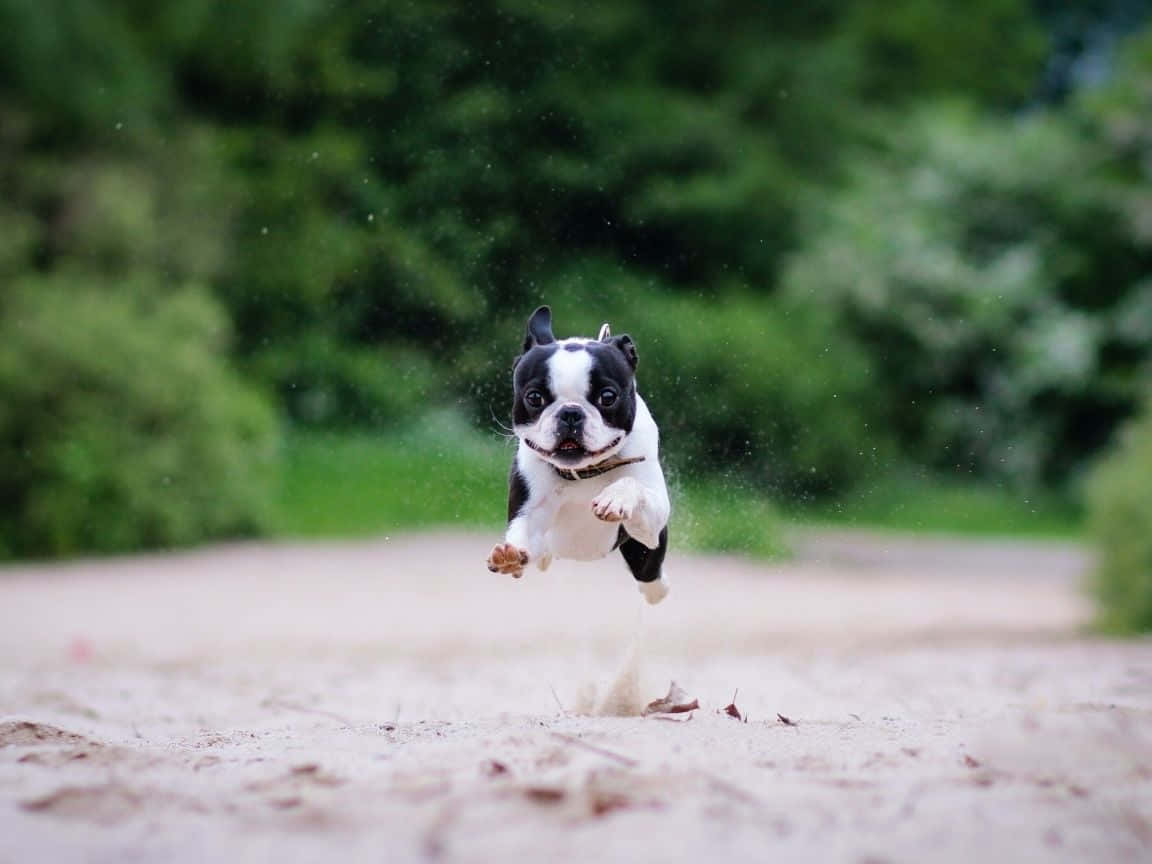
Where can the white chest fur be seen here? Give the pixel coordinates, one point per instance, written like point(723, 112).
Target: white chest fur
point(574, 532)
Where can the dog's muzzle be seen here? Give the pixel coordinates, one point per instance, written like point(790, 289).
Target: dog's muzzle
point(569, 429)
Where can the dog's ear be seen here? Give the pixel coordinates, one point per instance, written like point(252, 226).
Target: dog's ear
point(539, 329)
point(627, 347)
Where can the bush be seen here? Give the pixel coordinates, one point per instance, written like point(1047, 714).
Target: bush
point(982, 269)
point(121, 427)
point(1120, 513)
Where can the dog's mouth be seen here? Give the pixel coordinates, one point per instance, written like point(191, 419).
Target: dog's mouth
point(571, 450)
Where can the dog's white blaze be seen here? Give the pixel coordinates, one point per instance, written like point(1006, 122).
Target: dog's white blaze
point(569, 372)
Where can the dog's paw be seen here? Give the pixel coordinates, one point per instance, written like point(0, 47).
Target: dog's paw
point(508, 559)
point(654, 591)
point(618, 501)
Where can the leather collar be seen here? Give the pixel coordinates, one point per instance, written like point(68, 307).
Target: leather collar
point(590, 471)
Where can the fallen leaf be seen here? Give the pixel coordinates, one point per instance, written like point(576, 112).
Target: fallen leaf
point(731, 710)
point(787, 721)
point(494, 768)
point(601, 804)
point(676, 702)
point(545, 794)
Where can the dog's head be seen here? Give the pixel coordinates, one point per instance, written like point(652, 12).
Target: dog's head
point(575, 398)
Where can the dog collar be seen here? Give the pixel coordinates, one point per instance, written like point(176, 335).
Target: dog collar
point(609, 464)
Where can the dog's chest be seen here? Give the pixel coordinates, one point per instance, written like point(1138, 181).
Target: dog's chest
point(574, 531)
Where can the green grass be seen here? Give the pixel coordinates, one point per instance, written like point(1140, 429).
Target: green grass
point(711, 516)
point(447, 475)
point(360, 484)
point(941, 505)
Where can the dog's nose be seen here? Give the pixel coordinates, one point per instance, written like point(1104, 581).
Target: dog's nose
point(571, 417)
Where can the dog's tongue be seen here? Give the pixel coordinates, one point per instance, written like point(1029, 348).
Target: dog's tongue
point(569, 445)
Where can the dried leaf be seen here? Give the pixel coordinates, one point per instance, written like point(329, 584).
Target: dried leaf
point(545, 794)
point(601, 803)
point(787, 721)
point(676, 702)
point(731, 710)
point(494, 768)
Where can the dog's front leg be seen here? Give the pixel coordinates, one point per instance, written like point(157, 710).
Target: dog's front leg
point(522, 545)
point(643, 511)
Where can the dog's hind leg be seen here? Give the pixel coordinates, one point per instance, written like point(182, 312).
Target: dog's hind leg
point(647, 565)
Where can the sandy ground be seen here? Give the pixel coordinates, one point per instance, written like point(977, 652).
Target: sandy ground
point(393, 701)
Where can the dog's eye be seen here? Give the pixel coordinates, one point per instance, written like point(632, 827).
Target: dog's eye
point(607, 397)
point(534, 399)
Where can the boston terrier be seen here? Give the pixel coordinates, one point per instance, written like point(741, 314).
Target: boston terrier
point(586, 478)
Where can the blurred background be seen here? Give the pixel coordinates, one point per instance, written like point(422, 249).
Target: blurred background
point(264, 266)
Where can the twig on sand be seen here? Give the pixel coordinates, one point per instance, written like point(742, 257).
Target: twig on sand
point(559, 704)
point(729, 788)
point(304, 709)
point(435, 841)
point(608, 754)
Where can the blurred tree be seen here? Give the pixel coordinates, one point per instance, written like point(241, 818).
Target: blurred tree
point(1120, 511)
point(984, 294)
point(408, 169)
point(121, 427)
point(378, 193)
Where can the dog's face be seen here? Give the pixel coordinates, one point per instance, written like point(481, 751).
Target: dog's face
point(576, 398)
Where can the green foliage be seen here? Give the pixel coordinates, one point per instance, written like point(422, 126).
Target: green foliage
point(979, 295)
point(760, 390)
point(393, 174)
point(378, 193)
point(1120, 510)
point(725, 516)
point(1115, 116)
point(934, 503)
point(120, 427)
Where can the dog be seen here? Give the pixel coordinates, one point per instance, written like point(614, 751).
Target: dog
point(586, 479)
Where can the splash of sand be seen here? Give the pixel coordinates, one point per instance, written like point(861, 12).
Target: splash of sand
point(625, 696)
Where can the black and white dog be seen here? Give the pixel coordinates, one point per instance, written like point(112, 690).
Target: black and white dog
point(586, 479)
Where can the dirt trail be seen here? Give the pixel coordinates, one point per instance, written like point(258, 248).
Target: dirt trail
point(394, 701)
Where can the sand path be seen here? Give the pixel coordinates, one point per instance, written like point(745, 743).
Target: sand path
point(392, 701)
